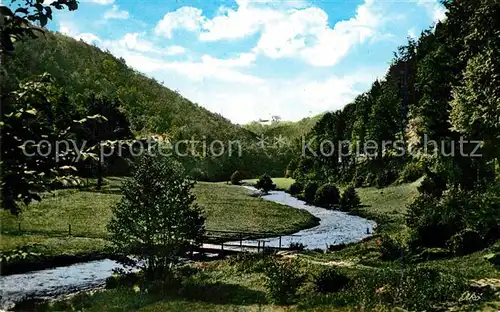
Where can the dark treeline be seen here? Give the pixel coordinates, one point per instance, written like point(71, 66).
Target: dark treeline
point(438, 106)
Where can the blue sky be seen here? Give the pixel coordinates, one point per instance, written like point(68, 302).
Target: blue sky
point(253, 59)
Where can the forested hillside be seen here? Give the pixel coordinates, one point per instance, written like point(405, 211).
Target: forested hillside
point(436, 114)
point(442, 86)
point(288, 129)
point(81, 69)
point(88, 81)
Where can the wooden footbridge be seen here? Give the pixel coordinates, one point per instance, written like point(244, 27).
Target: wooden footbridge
point(231, 242)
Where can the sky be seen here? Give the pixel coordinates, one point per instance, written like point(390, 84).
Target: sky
point(253, 59)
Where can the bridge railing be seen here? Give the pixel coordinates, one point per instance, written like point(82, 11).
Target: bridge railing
point(223, 237)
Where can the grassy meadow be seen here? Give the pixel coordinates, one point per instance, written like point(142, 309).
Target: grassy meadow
point(240, 284)
point(46, 224)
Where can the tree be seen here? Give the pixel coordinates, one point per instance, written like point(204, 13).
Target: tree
point(265, 184)
point(476, 104)
point(310, 191)
point(350, 199)
point(296, 188)
point(156, 216)
point(328, 196)
point(236, 178)
point(36, 148)
point(17, 25)
point(24, 177)
point(96, 131)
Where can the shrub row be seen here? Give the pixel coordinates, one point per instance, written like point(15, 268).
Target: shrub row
point(326, 195)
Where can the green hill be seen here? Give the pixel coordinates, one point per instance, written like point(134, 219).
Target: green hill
point(80, 68)
point(289, 129)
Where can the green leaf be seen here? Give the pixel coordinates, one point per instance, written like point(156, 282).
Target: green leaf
point(43, 20)
point(32, 111)
point(68, 168)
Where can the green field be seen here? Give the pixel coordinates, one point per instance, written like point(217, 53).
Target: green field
point(46, 224)
point(221, 286)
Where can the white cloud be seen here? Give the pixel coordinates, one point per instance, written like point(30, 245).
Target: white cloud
point(434, 8)
point(88, 38)
point(285, 31)
point(336, 91)
point(69, 29)
point(133, 51)
point(287, 36)
point(188, 18)
point(205, 70)
point(243, 60)
point(305, 33)
point(412, 33)
point(116, 13)
point(132, 42)
point(242, 104)
point(232, 24)
point(175, 50)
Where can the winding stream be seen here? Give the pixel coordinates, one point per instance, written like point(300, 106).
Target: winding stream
point(335, 228)
point(50, 283)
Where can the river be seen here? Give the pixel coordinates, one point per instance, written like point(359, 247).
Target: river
point(335, 228)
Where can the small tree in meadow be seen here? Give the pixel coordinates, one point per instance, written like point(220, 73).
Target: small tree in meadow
point(265, 184)
point(283, 278)
point(328, 196)
point(236, 178)
point(156, 216)
point(296, 188)
point(310, 191)
point(349, 199)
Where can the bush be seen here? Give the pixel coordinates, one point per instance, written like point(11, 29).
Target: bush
point(265, 184)
point(338, 247)
point(283, 279)
point(310, 191)
point(328, 196)
point(292, 166)
point(465, 242)
point(411, 172)
point(370, 179)
point(434, 221)
point(250, 262)
point(418, 289)
point(124, 279)
point(296, 188)
point(330, 280)
point(390, 248)
point(486, 217)
point(385, 178)
point(349, 199)
point(433, 185)
point(236, 178)
point(296, 246)
point(358, 180)
point(197, 174)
